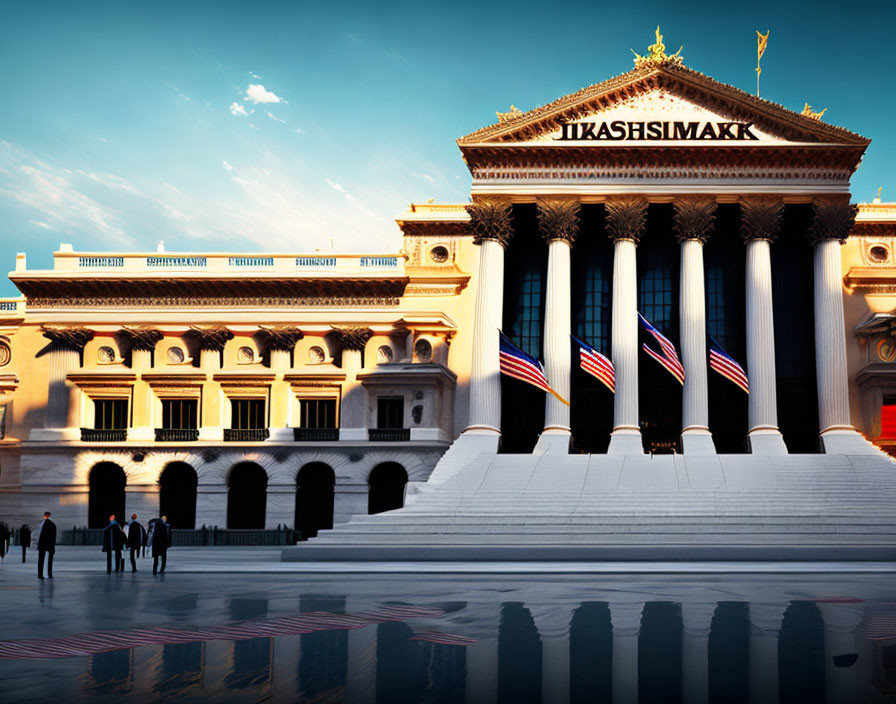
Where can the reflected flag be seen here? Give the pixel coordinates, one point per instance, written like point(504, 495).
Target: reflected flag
point(596, 364)
point(518, 365)
point(724, 364)
point(668, 356)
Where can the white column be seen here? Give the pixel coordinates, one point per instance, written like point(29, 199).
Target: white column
point(841, 619)
point(765, 624)
point(482, 672)
point(695, 436)
point(485, 375)
point(62, 397)
point(557, 327)
point(360, 685)
point(837, 433)
point(552, 623)
point(765, 437)
point(696, 621)
point(626, 437)
point(626, 621)
point(353, 406)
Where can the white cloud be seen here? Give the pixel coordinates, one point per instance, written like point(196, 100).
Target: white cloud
point(298, 130)
point(226, 165)
point(255, 75)
point(274, 117)
point(425, 177)
point(239, 110)
point(42, 225)
point(257, 93)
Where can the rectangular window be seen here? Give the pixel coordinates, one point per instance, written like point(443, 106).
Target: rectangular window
point(390, 412)
point(180, 414)
point(247, 414)
point(318, 413)
point(110, 414)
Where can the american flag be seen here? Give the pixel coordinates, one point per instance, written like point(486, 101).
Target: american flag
point(720, 361)
point(667, 357)
point(596, 364)
point(517, 364)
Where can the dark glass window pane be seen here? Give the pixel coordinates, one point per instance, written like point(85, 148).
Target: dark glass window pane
point(390, 412)
point(247, 414)
point(317, 413)
point(180, 413)
point(110, 414)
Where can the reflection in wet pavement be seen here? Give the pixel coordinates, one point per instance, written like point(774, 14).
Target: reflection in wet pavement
point(452, 638)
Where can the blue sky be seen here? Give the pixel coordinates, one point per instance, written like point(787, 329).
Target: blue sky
point(126, 123)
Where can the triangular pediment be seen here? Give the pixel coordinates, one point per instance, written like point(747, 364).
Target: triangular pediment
point(660, 106)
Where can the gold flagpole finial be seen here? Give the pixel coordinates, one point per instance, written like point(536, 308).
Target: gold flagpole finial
point(761, 42)
point(656, 54)
point(809, 112)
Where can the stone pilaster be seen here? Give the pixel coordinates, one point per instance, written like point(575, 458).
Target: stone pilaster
point(626, 222)
point(280, 342)
point(492, 229)
point(694, 222)
point(830, 227)
point(760, 224)
point(558, 222)
point(211, 341)
point(142, 343)
point(351, 341)
point(64, 356)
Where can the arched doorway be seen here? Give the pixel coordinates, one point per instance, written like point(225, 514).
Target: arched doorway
point(315, 484)
point(247, 489)
point(387, 482)
point(177, 495)
point(107, 481)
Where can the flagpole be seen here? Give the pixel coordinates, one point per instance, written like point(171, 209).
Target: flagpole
point(558, 397)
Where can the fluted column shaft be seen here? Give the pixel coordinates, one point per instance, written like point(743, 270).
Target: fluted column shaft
point(765, 624)
point(557, 328)
point(552, 622)
point(841, 620)
point(626, 622)
point(485, 374)
point(626, 431)
point(696, 621)
point(830, 338)
point(62, 360)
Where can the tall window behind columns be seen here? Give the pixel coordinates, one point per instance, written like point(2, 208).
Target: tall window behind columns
point(724, 261)
point(525, 279)
point(659, 394)
point(591, 403)
point(794, 311)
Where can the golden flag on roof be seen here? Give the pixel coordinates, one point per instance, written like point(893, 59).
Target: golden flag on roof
point(761, 42)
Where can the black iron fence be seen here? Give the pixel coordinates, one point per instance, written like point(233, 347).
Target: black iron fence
point(177, 434)
point(204, 536)
point(315, 434)
point(103, 435)
point(246, 434)
point(389, 434)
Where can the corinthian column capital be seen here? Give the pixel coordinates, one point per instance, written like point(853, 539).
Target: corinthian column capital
point(694, 218)
point(832, 220)
point(73, 338)
point(490, 220)
point(760, 219)
point(626, 218)
point(144, 339)
point(212, 338)
point(351, 338)
point(559, 219)
point(281, 337)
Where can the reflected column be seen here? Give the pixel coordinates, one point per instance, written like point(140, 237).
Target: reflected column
point(696, 621)
point(626, 621)
point(765, 625)
point(626, 223)
point(552, 622)
point(360, 677)
point(841, 619)
point(482, 656)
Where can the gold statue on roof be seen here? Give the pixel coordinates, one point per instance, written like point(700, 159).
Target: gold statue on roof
point(509, 115)
point(808, 112)
point(656, 54)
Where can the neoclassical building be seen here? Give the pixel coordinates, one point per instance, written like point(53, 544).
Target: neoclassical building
point(256, 390)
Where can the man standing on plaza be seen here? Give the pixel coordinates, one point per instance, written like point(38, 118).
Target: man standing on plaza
point(46, 546)
point(24, 539)
point(160, 540)
point(113, 541)
point(136, 538)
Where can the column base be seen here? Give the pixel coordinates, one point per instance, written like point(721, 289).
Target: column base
point(844, 440)
point(626, 440)
point(281, 434)
point(211, 434)
point(553, 441)
point(353, 434)
point(766, 441)
point(142, 434)
point(697, 440)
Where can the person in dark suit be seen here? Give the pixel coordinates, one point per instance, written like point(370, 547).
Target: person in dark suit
point(46, 546)
point(136, 539)
point(113, 541)
point(160, 540)
point(24, 538)
point(4, 539)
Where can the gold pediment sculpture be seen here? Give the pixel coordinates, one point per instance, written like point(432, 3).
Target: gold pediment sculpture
point(808, 112)
point(509, 115)
point(656, 54)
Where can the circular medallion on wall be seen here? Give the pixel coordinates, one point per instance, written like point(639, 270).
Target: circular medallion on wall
point(5, 353)
point(439, 254)
point(245, 355)
point(384, 355)
point(316, 355)
point(176, 355)
point(886, 350)
point(423, 350)
point(878, 254)
point(105, 355)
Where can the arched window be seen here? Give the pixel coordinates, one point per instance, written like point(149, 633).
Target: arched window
point(387, 482)
point(107, 481)
point(315, 484)
point(177, 495)
point(247, 489)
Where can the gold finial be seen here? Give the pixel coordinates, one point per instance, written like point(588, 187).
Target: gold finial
point(880, 190)
point(656, 54)
point(509, 115)
point(808, 112)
